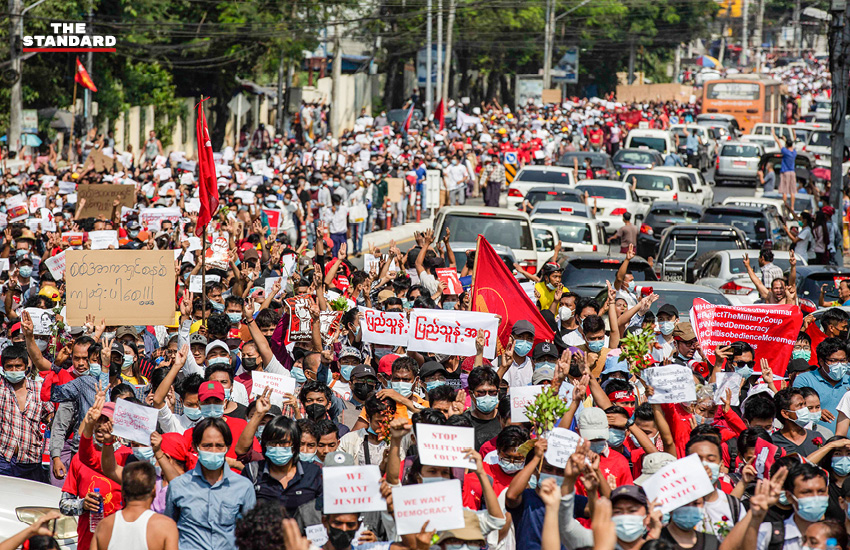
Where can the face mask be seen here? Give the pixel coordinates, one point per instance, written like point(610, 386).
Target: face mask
point(449, 305)
point(192, 413)
point(841, 465)
point(361, 391)
point(486, 403)
point(128, 361)
point(522, 347)
point(406, 304)
point(133, 234)
point(211, 461)
point(279, 455)
point(565, 313)
point(812, 508)
point(804, 417)
point(42, 344)
point(632, 285)
point(596, 345)
point(838, 370)
point(345, 371)
point(339, 538)
point(616, 437)
point(598, 446)
point(404, 388)
point(315, 411)
point(227, 393)
point(25, 271)
point(550, 286)
point(434, 384)
point(218, 361)
point(801, 354)
point(432, 479)
point(217, 306)
point(544, 476)
point(687, 517)
point(298, 374)
point(306, 457)
point(234, 318)
point(14, 376)
point(95, 369)
point(783, 499)
point(715, 470)
point(509, 467)
point(212, 411)
point(145, 454)
point(371, 431)
point(629, 528)
point(20, 253)
point(109, 335)
point(666, 327)
point(249, 363)
point(744, 372)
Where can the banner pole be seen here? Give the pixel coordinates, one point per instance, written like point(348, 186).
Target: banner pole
point(204, 276)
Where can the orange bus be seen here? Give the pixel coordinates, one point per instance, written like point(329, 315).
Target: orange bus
point(749, 100)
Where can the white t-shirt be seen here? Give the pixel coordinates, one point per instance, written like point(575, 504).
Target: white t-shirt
point(714, 512)
point(457, 175)
point(520, 375)
point(844, 404)
point(804, 245)
point(667, 349)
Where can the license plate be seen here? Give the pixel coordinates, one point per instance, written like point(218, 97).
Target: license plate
point(674, 278)
point(739, 163)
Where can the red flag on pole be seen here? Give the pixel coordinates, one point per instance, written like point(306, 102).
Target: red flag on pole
point(441, 114)
point(207, 186)
point(495, 290)
point(82, 77)
point(407, 120)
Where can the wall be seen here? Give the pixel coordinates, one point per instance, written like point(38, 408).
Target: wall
point(654, 92)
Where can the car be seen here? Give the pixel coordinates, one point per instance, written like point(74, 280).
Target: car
point(545, 238)
point(684, 247)
point(802, 202)
point(738, 161)
point(613, 199)
point(658, 184)
point(554, 193)
point(575, 233)
point(661, 215)
point(461, 250)
point(562, 207)
point(601, 163)
point(536, 176)
point(811, 278)
point(820, 146)
point(761, 225)
point(679, 295)
point(767, 142)
point(783, 131)
point(707, 197)
point(586, 273)
point(661, 140)
point(636, 159)
point(803, 165)
point(508, 228)
point(706, 149)
point(724, 270)
point(26, 501)
point(776, 205)
point(729, 122)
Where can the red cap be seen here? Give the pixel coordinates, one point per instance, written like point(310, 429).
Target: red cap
point(385, 366)
point(209, 389)
point(15, 328)
point(108, 410)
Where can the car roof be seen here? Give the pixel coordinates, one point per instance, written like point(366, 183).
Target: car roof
point(715, 116)
point(689, 206)
point(550, 205)
point(599, 256)
point(604, 183)
point(659, 171)
point(811, 269)
point(764, 199)
point(649, 132)
point(542, 218)
point(677, 169)
point(468, 245)
point(540, 168)
point(733, 208)
point(557, 188)
point(752, 253)
point(738, 143)
point(703, 227)
point(483, 210)
point(683, 287)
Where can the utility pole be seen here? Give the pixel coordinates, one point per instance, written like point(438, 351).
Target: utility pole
point(428, 84)
point(336, 101)
point(549, 42)
point(15, 94)
point(89, 68)
point(757, 34)
point(448, 61)
point(281, 74)
point(546, 46)
point(677, 63)
point(798, 36)
point(745, 32)
point(438, 90)
point(839, 47)
point(631, 78)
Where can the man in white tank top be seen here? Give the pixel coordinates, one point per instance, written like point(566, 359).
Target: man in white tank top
point(136, 527)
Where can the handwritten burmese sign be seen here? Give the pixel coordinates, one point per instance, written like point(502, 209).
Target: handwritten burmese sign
point(99, 198)
point(133, 422)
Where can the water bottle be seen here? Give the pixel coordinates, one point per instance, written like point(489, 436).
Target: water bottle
point(95, 517)
point(831, 544)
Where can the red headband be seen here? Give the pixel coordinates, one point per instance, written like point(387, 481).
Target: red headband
point(620, 396)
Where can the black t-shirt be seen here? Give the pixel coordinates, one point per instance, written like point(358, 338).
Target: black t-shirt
point(775, 514)
point(241, 411)
point(807, 447)
point(485, 430)
point(705, 541)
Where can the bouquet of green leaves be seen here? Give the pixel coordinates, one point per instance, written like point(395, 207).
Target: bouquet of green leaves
point(340, 304)
point(636, 348)
point(546, 410)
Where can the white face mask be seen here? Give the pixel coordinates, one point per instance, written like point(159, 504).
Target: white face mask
point(565, 313)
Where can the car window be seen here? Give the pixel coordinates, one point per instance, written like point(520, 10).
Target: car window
point(658, 217)
point(659, 144)
point(685, 184)
point(569, 231)
point(683, 300)
point(633, 157)
point(544, 240)
point(750, 223)
point(819, 139)
point(706, 243)
point(736, 265)
point(540, 176)
point(534, 197)
point(811, 285)
point(739, 151)
point(579, 272)
point(510, 232)
point(603, 192)
point(647, 181)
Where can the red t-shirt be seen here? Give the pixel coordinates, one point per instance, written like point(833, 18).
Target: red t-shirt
point(615, 469)
point(82, 480)
point(472, 494)
point(342, 274)
point(50, 378)
point(186, 452)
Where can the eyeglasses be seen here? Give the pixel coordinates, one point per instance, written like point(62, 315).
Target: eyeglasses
point(834, 361)
point(482, 393)
point(742, 364)
point(690, 343)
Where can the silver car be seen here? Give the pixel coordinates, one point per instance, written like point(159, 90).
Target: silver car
point(738, 161)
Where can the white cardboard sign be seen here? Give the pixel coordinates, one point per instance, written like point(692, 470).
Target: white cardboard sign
point(440, 503)
point(562, 443)
point(353, 489)
point(382, 327)
point(452, 332)
point(678, 483)
point(101, 240)
point(521, 397)
point(445, 445)
point(672, 384)
point(134, 422)
point(56, 265)
point(42, 320)
point(279, 383)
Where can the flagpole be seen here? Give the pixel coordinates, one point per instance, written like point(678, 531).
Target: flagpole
point(203, 249)
point(73, 119)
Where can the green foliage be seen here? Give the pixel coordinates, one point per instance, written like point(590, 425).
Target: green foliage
point(546, 409)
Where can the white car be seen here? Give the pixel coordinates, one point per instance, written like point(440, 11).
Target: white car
point(767, 142)
point(777, 205)
point(25, 502)
point(533, 176)
point(706, 191)
point(658, 184)
point(724, 270)
point(661, 140)
point(783, 131)
point(612, 200)
point(575, 233)
point(545, 238)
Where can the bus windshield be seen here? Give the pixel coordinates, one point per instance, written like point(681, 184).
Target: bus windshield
point(732, 90)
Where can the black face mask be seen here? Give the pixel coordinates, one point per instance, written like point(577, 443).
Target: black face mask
point(250, 363)
point(341, 540)
point(316, 411)
point(361, 391)
point(114, 369)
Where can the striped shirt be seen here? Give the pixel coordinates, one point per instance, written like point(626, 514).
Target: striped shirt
point(21, 436)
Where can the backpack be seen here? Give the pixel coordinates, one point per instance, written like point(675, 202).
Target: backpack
point(777, 535)
point(734, 507)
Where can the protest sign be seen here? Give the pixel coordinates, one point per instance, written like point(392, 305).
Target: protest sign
point(42, 320)
point(4, 265)
point(329, 325)
point(270, 281)
point(36, 202)
point(99, 198)
point(300, 320)
point(449, 277)
point(521, 397)
point(672, 383)
point(731, 381)
point(279, 383)
point(678, 483)
point(562, 443)
point(371, 262)
point(73, 238)
point(395, 189)
point(246, 196)
point(275, 217)
point(349, 489)
point(101, 240)
point(133, 422)
point(770, 329)
point(765, 455)
point(16, 208)
point(445, 445)
point(196, 282)
point(218, 254)
point(440, 504)
point(452, 332)
point(383, 327)
point(316, 534)
point(125, 287)
point(67, 188)
point(152, 218)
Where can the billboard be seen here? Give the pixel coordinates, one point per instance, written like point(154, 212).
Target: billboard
point(567, 69)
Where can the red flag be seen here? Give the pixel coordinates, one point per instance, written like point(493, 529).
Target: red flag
point(207, 186)
point(82, 77)
point(407, 120)
point(497, 291)
point(441, 114)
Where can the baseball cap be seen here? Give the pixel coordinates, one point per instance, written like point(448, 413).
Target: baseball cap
point(614, 364)
point(117, 347)
point(384, 294)
point(471, 529)
point(338, 458)
point(522, 327)
point(363, 371)
point(651, 464)
point(349, 351)
point(668, 309)
point(216, 344)
point(209, 389)
point(133, 225)
point(385, 365)
point(684, 331)
point(108, 409)
point(126, 330)
point(629, 491)
point(197, 338)
point(541, 374)
point(430, 368)
point(544, 349)
point(593, 424)
point(799, 365)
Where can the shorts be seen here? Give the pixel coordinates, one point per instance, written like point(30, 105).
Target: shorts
point(788, 183)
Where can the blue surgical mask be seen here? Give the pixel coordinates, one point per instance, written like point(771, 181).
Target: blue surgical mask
point(805, 417)
point(841, 465)
point(838, 370)
point(345, 371)
point(686, 517)
point(596, 345)
point(801, 354)
point(145, 454)
point(812, 508)
point(306, 457)
point(14, 376)
point(128, 361)
point(542, 364)
point(404, 388)
point(666, 327)
point(616, 437)
point(532, 482)
point(234, 317)
point(298, 374)
point(434, 384)
point(544, 476)
point(714, 468)
point(449, 305)
point(744, 372)
point(598, 446)
point(509, 468)
point(629, 527)
point(193, 413)
point(522, 347)
point(227, 393)
point(211, 461)
point(25, 271)
point(783, 499)
point(218, 361)
point(279, 455)
point(212, 410)
point(95, 369)
point(217, 306)
point(486, 403)
point(433, 479)
point(371, 431)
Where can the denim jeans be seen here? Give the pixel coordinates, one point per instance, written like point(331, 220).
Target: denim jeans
point(33, 471)
point(357, 231)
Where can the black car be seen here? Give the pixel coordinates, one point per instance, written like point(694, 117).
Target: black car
point(601, 163)
point(684, 247)
point(661, 215)
point(553, 193)
point(810, 278)
point(761, 225)
point(585, 273)
point(803, 164)
point(636, 159)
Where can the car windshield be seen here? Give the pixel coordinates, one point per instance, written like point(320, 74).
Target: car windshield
point(659, 144)
point(647, 181)
point(633, 157)
point(706, 243)
point(511, 232)
point(571, 232)
point(811, 286)
point(736, 265)
point(573, 209)
point(544, 240)
point(533, 197)
point(750, 223)
point(541, 176)
point(662, 217)
point(603, 192)
point(819, 139)
point(589, 272)
point(739, 151)
point(596, 161)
